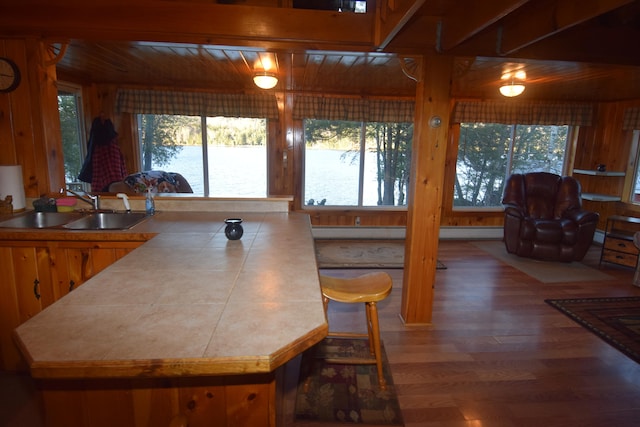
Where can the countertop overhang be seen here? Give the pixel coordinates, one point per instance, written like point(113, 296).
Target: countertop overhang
point(188, 302)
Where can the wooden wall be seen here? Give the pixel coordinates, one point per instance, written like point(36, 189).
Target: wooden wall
point(607, 143)
point(30, 136)
point(29, 120)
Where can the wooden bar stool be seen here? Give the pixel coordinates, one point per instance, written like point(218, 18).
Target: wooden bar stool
point(368, 289)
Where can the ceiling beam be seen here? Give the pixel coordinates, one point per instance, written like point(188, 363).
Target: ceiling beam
point(470, 17)
point(391, 17)
point(540, 20)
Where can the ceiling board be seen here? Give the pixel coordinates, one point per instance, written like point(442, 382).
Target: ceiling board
point(589, 54)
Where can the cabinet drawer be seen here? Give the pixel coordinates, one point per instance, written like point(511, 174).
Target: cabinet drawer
point(621, 258)
point(620, 245)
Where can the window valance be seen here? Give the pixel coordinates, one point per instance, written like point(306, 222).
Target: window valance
point(351, 109)
point(573, 114)
point(631, 120)
point(197, 103)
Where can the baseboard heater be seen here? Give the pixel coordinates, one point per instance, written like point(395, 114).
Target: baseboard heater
point(464, 233)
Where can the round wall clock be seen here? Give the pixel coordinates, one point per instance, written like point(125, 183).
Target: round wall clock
point(9, 75)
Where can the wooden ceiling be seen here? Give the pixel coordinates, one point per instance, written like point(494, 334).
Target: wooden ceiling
point(570, 49)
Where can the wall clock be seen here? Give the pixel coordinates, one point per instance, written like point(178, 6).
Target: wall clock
point(9, 75)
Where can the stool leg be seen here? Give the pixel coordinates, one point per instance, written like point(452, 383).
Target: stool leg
point(325, 304)
point(372, 313)
point(372, 348)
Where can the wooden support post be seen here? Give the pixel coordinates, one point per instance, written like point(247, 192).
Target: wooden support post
point(425, 201)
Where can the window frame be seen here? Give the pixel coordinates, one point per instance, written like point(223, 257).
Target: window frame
point(77, 91)
point(635, 168)
point(570, 144)
point(361, 167)
point(206, 193)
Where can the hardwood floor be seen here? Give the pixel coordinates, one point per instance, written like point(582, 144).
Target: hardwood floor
point(495, 355)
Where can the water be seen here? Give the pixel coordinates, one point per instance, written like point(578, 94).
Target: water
point(242, 172)
point(233, 171)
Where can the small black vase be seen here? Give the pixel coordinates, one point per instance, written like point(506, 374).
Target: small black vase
point(233, 230)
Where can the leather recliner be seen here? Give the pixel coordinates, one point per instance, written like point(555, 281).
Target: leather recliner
point(544, 218)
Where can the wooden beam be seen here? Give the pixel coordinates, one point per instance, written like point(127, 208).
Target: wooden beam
point(470, 17)
point(391, 17)
point(205, 23)
point(541, 20)
point(426, 188)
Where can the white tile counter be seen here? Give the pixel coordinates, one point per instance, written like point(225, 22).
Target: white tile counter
point(189, 302)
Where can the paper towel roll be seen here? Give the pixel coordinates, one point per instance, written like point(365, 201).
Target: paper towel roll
point(11, 184)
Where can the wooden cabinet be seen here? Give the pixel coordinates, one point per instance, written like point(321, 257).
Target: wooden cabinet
point(77, 262)
point(618, 247)
point(25, 290)
point(35, 274)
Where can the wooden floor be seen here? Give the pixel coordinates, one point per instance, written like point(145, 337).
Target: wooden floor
point(495, 355)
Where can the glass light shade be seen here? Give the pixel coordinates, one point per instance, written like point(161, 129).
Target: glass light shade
point(511, 89)
point(265, 80)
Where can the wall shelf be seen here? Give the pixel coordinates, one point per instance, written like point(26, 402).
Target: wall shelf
point(598, 173)
point(594, 197)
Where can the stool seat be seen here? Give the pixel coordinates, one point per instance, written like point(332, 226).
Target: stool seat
point(367, 288)
point(370, 287)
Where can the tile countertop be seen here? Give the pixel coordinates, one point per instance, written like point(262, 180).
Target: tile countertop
point(188, 302)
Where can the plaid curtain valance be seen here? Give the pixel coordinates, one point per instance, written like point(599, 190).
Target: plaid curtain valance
point(523, 113)
point(631, 120)
point(197, 104)
point(350, 109)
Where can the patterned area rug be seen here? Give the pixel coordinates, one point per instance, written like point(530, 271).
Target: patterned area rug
point(335, 393)
point(362, 254)
point(615, 320)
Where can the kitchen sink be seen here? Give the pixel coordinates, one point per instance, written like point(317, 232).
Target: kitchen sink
point(35, 219)
point(75, 220)
point(106, 221)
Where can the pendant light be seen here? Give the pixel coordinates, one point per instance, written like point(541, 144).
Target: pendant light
point(265, 80)
point(513, 83)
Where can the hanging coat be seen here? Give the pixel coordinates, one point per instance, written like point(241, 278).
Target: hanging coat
point(104, 163)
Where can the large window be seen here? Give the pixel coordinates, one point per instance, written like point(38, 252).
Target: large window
point(73, 145)
point(229, 159)
point(356, 163)
point(635, 191)
point(488, 153)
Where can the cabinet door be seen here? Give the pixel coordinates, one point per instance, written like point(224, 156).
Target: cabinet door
point(33, 280)
point(77, 262)
point(9, 315)
point(26, 288)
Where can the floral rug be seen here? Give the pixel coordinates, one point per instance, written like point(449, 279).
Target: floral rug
point(362, 253)
point(336, 393)
point(615, 320)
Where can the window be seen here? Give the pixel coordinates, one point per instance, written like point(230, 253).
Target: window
point(228, 160)
point(74, 148)
point(488, 153)
point(349, 163)
point(635, 192)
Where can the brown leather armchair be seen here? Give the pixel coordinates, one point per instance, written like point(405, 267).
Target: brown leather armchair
point(544, 219)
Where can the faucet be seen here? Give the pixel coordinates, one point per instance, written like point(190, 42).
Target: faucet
point(92, 199)
point(125, 200)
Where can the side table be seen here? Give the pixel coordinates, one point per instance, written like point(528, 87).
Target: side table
point(618, 247)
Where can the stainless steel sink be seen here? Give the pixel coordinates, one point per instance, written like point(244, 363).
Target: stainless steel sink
point(41, 219)
point(106, 221)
